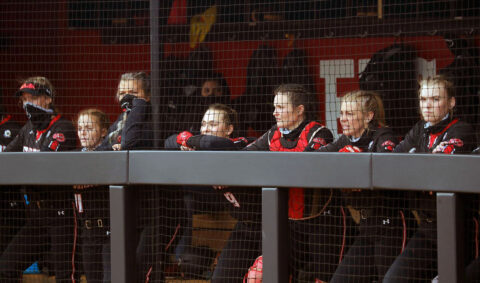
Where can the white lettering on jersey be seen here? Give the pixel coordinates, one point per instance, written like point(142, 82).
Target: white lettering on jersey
point(29, 149)
point(231, 198)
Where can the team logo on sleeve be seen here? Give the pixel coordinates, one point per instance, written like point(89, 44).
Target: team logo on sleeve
point(350, 148)
point(318, 142)
point(449, 146)
point(54, 145)
point(455, 142)
point(59, 137)
point(388, 145)
point(7, 134)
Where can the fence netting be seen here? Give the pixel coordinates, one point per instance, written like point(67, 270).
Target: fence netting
point(181, 75)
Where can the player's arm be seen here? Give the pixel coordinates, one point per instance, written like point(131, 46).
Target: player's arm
point(134, 130)
point(262, 143)
point(16, 145)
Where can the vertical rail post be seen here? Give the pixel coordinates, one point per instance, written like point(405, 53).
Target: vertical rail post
point(123, 236)
point(275, 235)
point(450, 238)
point(155, 70)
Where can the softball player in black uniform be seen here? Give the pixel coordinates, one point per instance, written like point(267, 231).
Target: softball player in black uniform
point(50, 225)
point(133, 131)
point(92, 203)
point(382, 224)
point(133, 127)
point(316, 217)
point(219, 123)
point(11, 208)
point(439, 132)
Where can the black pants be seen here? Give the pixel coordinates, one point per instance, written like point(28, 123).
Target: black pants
point(243, 246)
point(12, 214)
point(196, 200)
point(374, 248)
point(158, 229)
point(96, 255)
point(418, 262)
point(473, 271)
point(48, 233)
point(316, 244)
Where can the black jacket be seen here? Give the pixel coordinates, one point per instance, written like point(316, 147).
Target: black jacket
point(373, 140)
point(8, 131)
point(132, 129)
point(422, 139)
point(60, 135)
point(209, 142)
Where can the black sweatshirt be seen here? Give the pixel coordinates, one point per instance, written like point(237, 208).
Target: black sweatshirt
point(132, 129)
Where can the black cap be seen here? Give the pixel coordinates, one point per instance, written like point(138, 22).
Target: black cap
point(34, 89)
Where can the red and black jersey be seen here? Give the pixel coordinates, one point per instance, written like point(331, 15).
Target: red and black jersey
point(8, 131)
point(372, 140)
point(59, 135)
point(423, 138)
point(308, 136)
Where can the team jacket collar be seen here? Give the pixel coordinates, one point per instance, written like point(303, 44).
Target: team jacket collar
point(365, 139)
point(440, 126)
point(296, 132)
point(40, 133)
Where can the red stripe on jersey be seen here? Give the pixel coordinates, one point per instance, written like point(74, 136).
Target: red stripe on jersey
point(296, 203)
point(432, 138)
point(39, 133)
point(5, 119)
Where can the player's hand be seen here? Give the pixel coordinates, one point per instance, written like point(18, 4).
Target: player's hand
point(183, 137)
point(217, 187)
point(117, 146)
point(448, 147)
point(186, 148)
point(350, 148)
point(255, 272)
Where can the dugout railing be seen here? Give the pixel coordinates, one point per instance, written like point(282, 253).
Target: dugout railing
point(445, 175)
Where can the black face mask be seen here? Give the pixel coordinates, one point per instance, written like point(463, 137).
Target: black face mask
point(127, 102)
point(39, 116)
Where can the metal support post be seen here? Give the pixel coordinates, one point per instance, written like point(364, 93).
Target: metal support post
point(275, 235)
point(123, 236)
point(450, 238)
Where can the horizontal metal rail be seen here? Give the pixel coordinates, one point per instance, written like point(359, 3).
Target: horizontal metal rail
point(442, 173)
